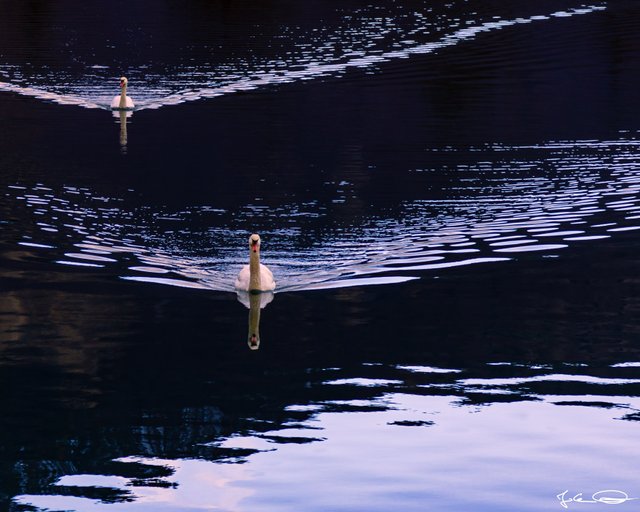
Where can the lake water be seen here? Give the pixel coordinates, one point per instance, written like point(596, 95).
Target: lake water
point(448, 195)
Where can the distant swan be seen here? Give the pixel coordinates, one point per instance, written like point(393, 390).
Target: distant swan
point(255, 277)
point(122, 102)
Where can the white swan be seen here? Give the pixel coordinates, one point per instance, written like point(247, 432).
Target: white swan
point(255, 277)
point(122, 102)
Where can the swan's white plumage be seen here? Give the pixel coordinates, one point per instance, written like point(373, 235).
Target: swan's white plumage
point(115, 103)
point(266, 279)
point(122, 101)
point(255, 277)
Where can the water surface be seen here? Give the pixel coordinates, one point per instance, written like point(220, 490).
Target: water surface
point(447, 194)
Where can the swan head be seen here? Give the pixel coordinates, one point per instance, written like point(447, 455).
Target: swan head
point(123, 81)
point(254, 243)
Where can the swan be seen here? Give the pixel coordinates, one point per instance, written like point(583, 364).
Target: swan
point(255, 277)
point(122, 102)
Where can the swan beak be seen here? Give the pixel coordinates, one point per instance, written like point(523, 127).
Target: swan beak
point(254, 246)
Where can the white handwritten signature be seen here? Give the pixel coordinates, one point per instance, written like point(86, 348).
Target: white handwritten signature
point(608, 497)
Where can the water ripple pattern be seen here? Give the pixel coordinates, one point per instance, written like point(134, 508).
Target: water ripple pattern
point(364, 38)
point(416, 409)
point(508, 203)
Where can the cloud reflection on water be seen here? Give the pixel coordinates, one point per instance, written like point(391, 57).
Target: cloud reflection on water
point(453, 437)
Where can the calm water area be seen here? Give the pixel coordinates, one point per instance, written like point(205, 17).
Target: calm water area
point(448, 195)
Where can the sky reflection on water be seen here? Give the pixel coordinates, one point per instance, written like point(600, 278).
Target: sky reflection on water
point(468, 449)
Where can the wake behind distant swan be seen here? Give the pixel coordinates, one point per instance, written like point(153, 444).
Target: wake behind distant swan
point(187, 83)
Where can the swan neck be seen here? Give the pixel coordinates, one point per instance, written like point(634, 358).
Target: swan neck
point(123, 97)
point(254, 271)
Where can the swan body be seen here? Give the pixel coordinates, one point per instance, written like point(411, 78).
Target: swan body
point(255, 277)
point(243, 281)
point(122, 101)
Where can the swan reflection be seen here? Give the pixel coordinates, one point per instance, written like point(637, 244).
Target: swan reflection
point(123, 115)
point(255, 302)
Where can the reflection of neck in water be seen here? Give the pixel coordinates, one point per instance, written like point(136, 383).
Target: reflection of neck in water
point(123, 129)
point(255, 302)
point(253, 338)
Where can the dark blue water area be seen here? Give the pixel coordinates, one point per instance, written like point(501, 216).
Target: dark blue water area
point(448, 195)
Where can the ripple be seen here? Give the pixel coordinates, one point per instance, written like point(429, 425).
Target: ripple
point(587, 379)
point(78, 264)
point(512, 216)
point(345, 411)
point(363, 48)
point(532, 248)
point(91, 257)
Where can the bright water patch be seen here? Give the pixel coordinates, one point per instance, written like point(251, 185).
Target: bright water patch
point(444, 429)
point(363, 38)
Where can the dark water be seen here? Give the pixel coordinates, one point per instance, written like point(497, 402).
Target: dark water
point(448, 195)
